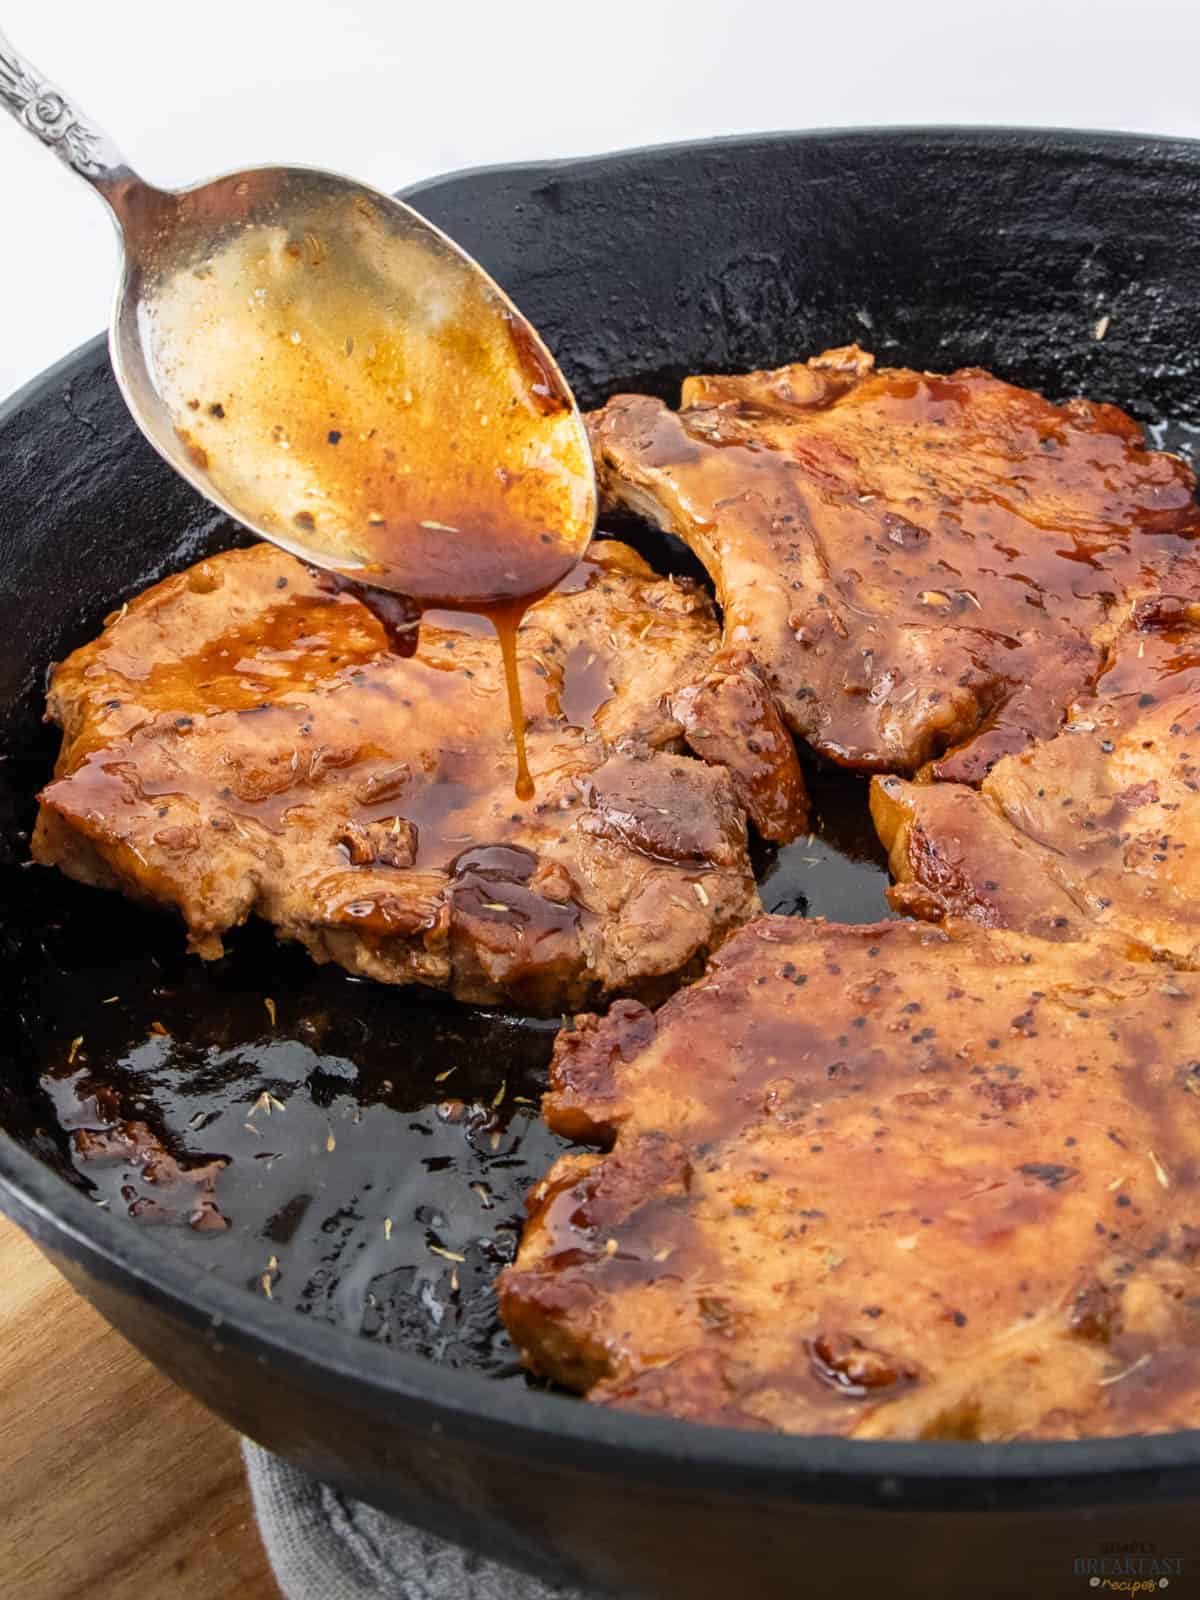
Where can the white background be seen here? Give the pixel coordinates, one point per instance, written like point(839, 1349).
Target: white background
point(393, 90)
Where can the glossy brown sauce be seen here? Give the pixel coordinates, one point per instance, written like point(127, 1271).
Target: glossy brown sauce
point(586, 686)
point(356, 389)
point(586, 683)
point(432, 1105)
point(842, 1125)
point(400, 618)
point(396, 614)
point(506, 620)
point(916, 560)
point(492, 882)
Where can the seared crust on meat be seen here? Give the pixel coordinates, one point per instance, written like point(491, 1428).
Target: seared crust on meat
point(887, 1181)
point(915, 563)
point(730, 718)
point(241, 741)
point(1098, 827)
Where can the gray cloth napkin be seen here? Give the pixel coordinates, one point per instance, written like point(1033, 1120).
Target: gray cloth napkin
point(324, 1546)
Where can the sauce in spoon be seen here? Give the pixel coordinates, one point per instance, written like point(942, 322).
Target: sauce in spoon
point(372, 402)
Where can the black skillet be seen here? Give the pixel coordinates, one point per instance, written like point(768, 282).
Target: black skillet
point(1061, 260)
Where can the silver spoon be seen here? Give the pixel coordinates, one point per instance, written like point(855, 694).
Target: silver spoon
point(333, 372)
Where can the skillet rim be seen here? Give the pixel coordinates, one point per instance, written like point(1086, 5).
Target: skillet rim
point(472, 1408)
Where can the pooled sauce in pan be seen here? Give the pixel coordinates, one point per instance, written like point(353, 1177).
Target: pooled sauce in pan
point(335, 1142)
point(358, 1153)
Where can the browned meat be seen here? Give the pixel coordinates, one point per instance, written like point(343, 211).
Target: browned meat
point(915, 562)
point(730, 718)
point(885, 1181)
point(953, 854)
point(1099, 826)
point(239, 740)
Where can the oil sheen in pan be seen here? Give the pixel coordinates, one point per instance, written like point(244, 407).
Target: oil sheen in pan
point(370, 1148)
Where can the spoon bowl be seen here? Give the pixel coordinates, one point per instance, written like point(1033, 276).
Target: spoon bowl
point(335, 374)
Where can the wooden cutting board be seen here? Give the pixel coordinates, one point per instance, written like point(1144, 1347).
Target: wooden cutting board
point(113, 1483)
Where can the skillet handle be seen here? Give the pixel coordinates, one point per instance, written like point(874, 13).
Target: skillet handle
point(51, 118)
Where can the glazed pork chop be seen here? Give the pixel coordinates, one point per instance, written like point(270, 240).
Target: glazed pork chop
point(1097, 827)
point(918, 566)
point(887, 1181)
point(240, 740)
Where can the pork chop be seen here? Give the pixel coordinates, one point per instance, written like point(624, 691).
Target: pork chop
point(887, 1181)
point(915, 563)
point(241, 741)
point(1097, 827)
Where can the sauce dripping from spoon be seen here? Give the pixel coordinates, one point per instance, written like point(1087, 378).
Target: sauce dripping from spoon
point(400, 620)
point(371, 401)
point(507, 620)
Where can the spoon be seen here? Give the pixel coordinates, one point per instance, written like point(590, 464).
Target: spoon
point(333, 372)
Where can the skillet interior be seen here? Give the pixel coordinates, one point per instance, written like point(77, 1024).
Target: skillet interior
point(380, 1141)
point(935, 249)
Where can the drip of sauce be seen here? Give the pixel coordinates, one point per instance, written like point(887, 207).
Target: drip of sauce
point(396, 614)
point(432, 456)
point(400, 619)
point(506, 620)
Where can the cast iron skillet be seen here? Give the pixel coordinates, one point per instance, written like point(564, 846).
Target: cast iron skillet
point(936, 248)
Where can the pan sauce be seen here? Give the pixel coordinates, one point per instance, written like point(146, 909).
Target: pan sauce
point(373, 1135)
point(409, 1130)
point(353, 439)
point(401, 1130)
point(437, 457)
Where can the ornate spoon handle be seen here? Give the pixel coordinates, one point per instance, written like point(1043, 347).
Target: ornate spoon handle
point(47, 113)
